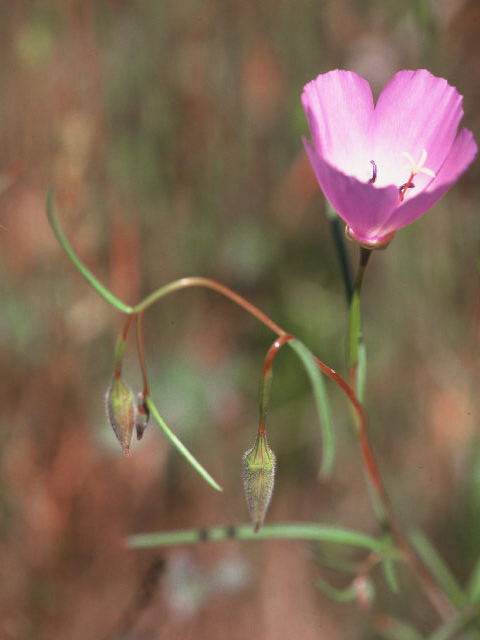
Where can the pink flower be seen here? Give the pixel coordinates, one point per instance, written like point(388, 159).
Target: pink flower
point(383, 166)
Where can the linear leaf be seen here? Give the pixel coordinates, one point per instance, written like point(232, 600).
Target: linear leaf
point(437, 566)
point(107, 295)
point(339, 595)
point(323, 406)
point(283, 531)
point(178, 444)
point(393, 629)
point(473, 588)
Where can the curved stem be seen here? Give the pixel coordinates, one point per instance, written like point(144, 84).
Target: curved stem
point(266, 379)
point(436, 595)
point(208, 283)
point(438, 598)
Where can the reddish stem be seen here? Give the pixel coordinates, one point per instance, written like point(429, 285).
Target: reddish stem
point(274, 349)
point(141, 355)
point(267, 367)
point(436, 595)
point(118, 364)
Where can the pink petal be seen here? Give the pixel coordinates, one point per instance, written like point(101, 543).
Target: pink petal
point(415, 111)
point(339, 109)
point(461, 155)
point(361, 205)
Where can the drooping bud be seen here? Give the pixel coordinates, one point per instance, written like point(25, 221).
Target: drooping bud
point(121, 412)
point(258, 479)
point(364, 592)
point(142, 416)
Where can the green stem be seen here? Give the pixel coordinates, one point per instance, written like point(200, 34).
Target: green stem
point(356, 349)
point(437, 596)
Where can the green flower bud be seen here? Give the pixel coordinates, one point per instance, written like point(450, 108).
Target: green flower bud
point(258, 479)
point(121, 412)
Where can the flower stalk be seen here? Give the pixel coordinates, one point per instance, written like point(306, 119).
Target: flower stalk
point(436, 595)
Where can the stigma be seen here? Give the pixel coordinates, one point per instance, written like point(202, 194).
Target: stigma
point(415, 169)
point(420, 167)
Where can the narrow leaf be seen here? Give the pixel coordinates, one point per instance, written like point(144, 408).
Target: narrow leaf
point(473, 588)
point(178, 444)
point(393, 629)
point(339, 595)
point(283, 531)
point(468, 619)
point(338, 235)
point(107, 295)
point(390, 574)
point(442, 573)
point(323, 406)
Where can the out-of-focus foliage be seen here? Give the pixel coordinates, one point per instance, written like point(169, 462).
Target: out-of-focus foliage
point(171, 133)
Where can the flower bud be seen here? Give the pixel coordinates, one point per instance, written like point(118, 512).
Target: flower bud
point(121, 412)
point(142, 416)
point(364, 592)
point(258, 479)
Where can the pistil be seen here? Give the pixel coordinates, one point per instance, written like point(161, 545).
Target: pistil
point(415, 168)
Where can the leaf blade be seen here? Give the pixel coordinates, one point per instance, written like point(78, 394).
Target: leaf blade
point(322, 404)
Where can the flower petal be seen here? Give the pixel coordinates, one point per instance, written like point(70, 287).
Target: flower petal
point(339, 109)
point(461, 155)
point(415, 111)
point(361, 205)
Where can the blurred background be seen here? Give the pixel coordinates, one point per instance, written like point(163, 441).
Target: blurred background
point(171, 133)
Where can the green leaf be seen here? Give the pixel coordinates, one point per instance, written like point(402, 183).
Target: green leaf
point(473, 587)
point(394, 629)
point(339, 595)
point(390, 574)
point(449, 630)
point(442, 573)
point(283, 531)
point(86, 273)
point(323, 406)
point(178, 444)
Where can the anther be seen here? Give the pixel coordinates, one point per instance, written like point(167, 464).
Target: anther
point(374, 170)
point(406, 185)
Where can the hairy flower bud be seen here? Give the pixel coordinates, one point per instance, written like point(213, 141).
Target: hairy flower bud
point(258, 479)
point(121, 412)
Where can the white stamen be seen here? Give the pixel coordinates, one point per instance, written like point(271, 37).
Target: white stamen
point(418, 168)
